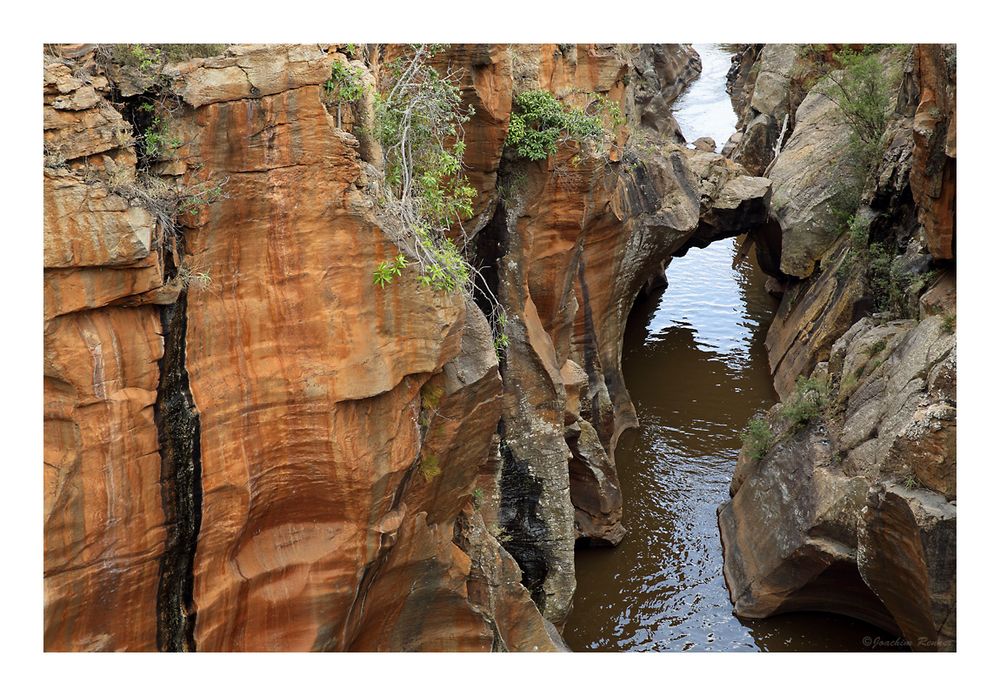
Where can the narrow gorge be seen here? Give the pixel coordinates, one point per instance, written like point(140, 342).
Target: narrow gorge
point(466, 347)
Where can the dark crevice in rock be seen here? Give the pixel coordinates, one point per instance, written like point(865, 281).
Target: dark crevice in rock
point(179, 429)
point(490, 247)
point(522, 522)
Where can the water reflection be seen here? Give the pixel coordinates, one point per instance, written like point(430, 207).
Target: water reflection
point(696, 367)
point(704, 108)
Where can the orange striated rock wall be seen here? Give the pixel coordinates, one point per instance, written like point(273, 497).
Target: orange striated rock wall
point(311, 462)
point(935, 148)
point(104, 521)
point(309, 383)
point(315, 499)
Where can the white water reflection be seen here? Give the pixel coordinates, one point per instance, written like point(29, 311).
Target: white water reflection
point(704, 109)
point(705, 297)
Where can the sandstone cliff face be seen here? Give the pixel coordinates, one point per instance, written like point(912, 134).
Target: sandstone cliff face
point(311, 462)
point(854, 512)
point(250, 447)
point(104, 521)
point(932, 176)
point(316, 441)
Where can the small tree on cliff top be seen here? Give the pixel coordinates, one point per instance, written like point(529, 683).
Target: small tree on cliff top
point(419, 121)
point(861, 89)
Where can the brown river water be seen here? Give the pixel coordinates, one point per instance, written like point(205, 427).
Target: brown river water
point(696, 368)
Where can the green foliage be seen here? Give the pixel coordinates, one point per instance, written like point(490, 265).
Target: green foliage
point(948, 322)
point(887, 284)
point(142, 57)
point(430, 396)
point(176, 53)
point(346, 82)
point(500, 339)
point(418, 122)
point(540, 122)
point(757, 438)
point(477, 498)
point(157, 141)
point(386, 270)
point(608, 111)
point(344, 86)
point(808, 402)
point(425, 196)
point(876, 348)
point(848, 384)
point(430, 467)
point(890, 287)
point(862, 92)
point(857, 230)
point(148, 59)
point(193, 198)
point(446, 270)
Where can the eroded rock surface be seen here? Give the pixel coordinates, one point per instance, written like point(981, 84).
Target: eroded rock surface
point(297, 445)
point(853, 510)
point(251, 447)
point(320, 439)
point(104, 519)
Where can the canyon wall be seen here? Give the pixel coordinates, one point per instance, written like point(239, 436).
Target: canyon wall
point(849, 504)
point(249, 446)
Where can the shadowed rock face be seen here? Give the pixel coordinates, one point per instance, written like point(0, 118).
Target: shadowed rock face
point(907, 555)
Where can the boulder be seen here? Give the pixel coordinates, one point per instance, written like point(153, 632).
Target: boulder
point(755, 149)
point(704, 144)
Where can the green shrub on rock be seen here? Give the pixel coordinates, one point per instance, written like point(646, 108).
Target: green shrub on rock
point(807, 403)
point(757, 438)
point(540, 122)
point(862, 90)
